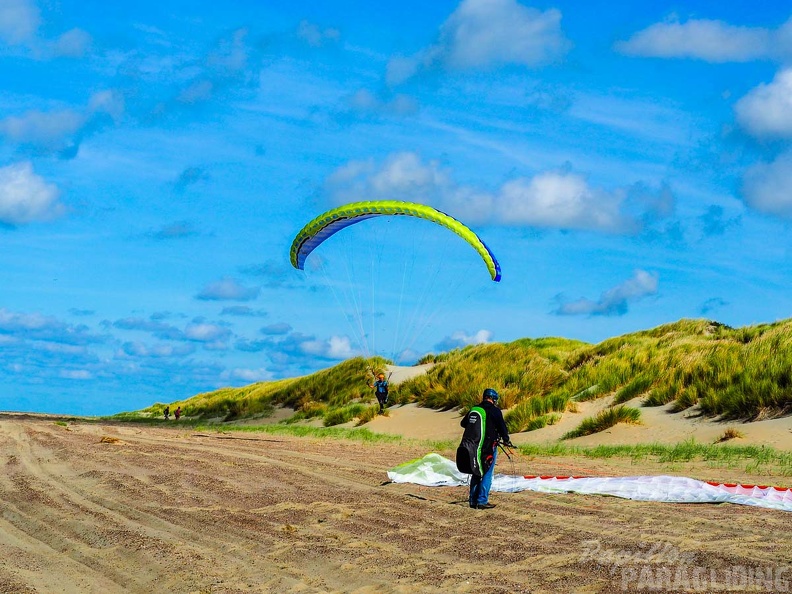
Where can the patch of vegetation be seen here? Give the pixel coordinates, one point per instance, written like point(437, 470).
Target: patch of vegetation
point(740, 374)
point(343, 414)
point(605, 420)
point(369, 414)
point(524, 416)
point(354, 434)
point(730, 433)
point(757, 458)
point(543, 421)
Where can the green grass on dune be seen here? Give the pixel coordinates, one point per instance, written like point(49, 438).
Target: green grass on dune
point(731, 373)
point(753, 459)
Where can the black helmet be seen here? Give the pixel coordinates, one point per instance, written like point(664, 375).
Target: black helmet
point(490, 393)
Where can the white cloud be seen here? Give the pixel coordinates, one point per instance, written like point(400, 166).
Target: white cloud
point(247, 375)
point(315, 36)
point(561, 199)
point(339, 347)
point(336, 348)
point(485, 33)
point(556, 199)
point(461, 339)
point(402, 174)
point(19, 24)
point(227, 289)
point(46, 330)
point(108, 102)
point(73, 44)
point(26, 197)
point(206, 332)
point(766, 186)
point(766, 111)
point(614, 301)
point(42, 128)
point(157, 351)
point(19, 21)
point(58, 129)
point(713, 41)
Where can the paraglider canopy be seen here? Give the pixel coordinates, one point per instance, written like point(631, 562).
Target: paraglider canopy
point(332, 221)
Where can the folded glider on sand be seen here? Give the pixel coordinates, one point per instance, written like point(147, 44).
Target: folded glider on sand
point(433, 470)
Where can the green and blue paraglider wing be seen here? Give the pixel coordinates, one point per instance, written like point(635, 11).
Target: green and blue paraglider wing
point(318, 230)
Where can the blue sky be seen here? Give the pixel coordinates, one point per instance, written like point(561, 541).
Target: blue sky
point(629, 166)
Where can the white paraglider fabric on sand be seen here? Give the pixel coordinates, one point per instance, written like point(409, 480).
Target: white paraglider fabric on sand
point(433, 470)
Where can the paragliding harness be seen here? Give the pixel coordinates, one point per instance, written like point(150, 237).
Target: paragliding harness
point(474, 456)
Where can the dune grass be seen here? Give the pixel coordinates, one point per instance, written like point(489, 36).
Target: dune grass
point(348, 433)
point(323, 391)
point(739, 374)
point(757, 459)
point(605, 420)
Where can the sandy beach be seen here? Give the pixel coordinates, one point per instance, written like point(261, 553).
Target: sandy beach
point(118, 508)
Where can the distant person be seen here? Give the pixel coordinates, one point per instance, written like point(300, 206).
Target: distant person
point(167, 413)
point(380, 388)
point(177, 412)
point(477, 452)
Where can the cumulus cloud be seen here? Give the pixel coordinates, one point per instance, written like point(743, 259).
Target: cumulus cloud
point(296, 347)
point(205, 332)
point(615, 301)
point(156, 351)
point(72, 44)
point(38, 327)
point(336, 348)
point(713, 41)
point(19, 21)
point(461, 339)
point(26, 197)
point(247, 375)
point(211, 336)
point(766, 111)
point(316, 36)
point(153, 326)
point(766, 186)
point(402, 174)
point(227, 289)
point(62, 130)
point(558, 199)
point(19, 25)
point(565, 200)
point(485, 33)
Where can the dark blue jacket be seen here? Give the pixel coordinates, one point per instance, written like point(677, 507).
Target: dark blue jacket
point(496, 426)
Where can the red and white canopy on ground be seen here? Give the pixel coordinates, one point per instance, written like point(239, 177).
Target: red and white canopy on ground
point(434, 470)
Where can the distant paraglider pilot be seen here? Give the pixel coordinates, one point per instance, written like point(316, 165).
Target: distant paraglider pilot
point(167, 412)
point(177, 412)
point(380, 388)
point(476, 454)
